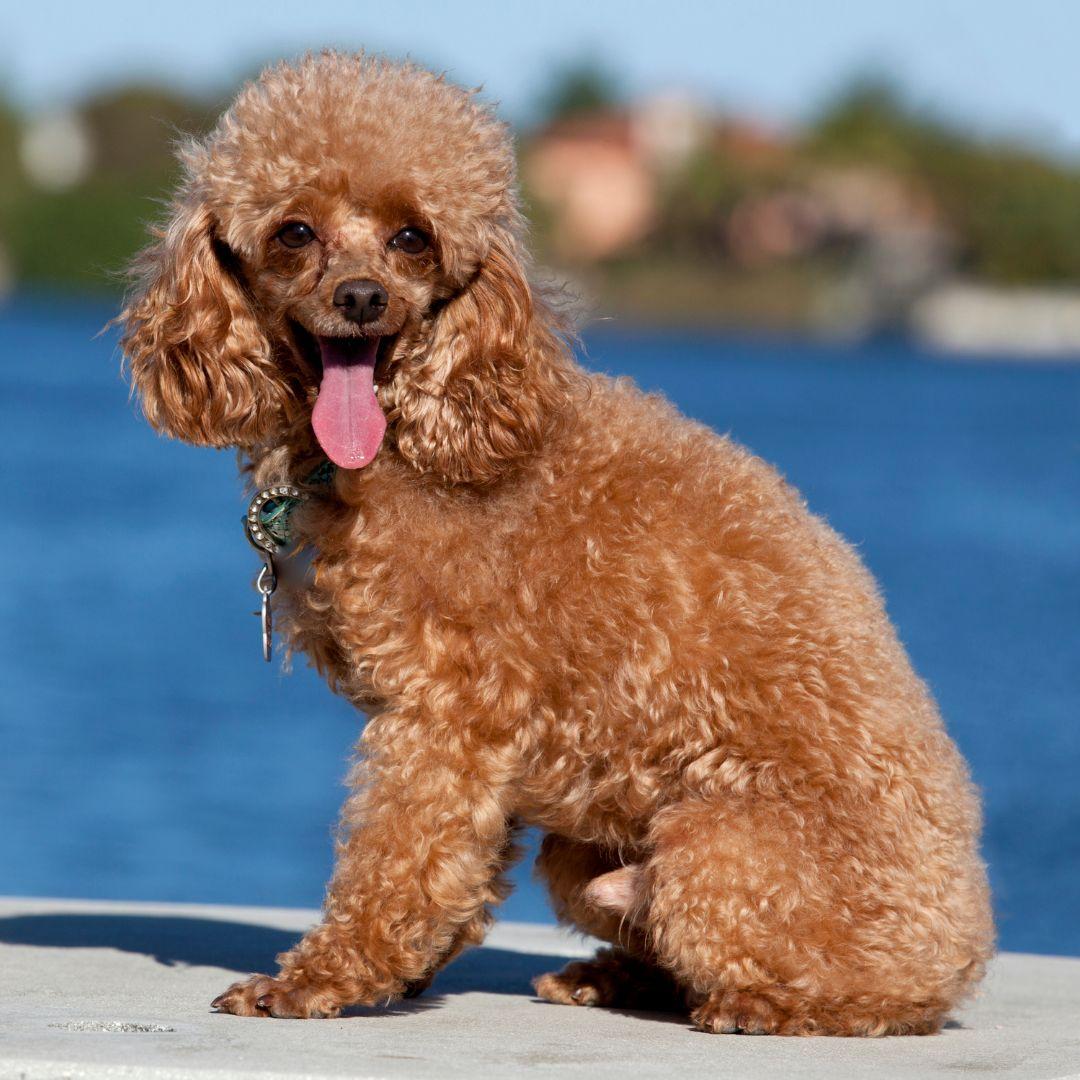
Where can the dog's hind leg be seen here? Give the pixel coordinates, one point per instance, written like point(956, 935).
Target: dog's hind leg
point(612, 978)
point(569, 868)
point(594, 893)
point(778, 919)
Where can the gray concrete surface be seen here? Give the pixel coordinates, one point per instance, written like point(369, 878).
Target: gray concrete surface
point(122, 990)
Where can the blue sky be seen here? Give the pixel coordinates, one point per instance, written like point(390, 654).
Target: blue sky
point(998, 65)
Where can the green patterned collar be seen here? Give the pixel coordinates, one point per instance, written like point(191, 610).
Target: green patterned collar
point(269, 512)
point(267, 527)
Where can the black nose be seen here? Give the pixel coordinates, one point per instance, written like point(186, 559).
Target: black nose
point(361, 301)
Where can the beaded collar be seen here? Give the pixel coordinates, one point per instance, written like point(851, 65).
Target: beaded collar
point(267, 527)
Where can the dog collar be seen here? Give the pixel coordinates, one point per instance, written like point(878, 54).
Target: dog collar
point(267, 527)
point(267, 521)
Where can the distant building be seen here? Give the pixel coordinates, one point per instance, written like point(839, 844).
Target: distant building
point(592, 176)
point(598, 175)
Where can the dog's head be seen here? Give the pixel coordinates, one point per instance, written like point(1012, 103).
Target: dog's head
point(345, 249)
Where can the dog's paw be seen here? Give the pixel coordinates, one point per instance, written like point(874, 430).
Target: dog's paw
point(418, 986)
point(263, 996)
point(736, 1012)
point(579, 983)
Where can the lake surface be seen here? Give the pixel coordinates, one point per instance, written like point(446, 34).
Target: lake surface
point(147, 752)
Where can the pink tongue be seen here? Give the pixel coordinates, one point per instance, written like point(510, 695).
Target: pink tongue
point(347, 419)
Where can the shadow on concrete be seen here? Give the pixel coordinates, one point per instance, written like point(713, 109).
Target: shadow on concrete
point(175, 940)
point(168, 939)
point(495, 971)
point(247, 947)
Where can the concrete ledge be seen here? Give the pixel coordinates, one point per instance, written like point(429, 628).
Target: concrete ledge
point(122, 990)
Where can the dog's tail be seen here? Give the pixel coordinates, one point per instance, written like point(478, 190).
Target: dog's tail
point(623, 891)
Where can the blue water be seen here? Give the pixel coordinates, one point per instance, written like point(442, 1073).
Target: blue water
point(149, 753)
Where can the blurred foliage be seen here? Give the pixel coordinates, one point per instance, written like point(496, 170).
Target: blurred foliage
point(1016, 213)
point(1013, 214)
point(674, 291)
point(696, 201)
point(12, 182)
point(133, 130)
point(580, 87)
point(83, 236)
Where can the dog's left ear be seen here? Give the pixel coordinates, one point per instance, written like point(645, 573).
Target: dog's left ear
point(491, 381)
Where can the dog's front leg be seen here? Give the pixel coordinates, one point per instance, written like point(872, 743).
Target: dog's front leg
point(424, 838)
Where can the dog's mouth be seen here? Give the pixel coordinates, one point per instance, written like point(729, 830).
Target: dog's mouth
point(306, 345)
point(347, 420)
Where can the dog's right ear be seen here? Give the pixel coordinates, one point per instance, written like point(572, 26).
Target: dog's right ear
point(200, 363)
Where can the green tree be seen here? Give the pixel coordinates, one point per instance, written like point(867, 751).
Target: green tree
point(579, 87)
point(1015, 211)
point(85, 235)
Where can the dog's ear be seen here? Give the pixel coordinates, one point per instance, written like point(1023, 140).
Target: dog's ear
point(200, 363)
point(490, 381)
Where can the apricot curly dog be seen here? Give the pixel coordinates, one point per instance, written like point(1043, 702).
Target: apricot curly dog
point(561, 603)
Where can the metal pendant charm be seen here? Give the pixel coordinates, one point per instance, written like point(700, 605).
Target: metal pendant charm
point(266, 526)
point(266, 583)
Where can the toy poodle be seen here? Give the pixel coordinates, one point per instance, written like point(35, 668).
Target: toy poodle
point(560, 603)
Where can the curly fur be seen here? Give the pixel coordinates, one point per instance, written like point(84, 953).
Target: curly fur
point(561, 603)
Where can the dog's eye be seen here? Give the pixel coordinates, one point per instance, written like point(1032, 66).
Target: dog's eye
point(411, 241)
point(296, 234)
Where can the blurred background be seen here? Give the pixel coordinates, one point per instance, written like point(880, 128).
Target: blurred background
point(849, 235)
